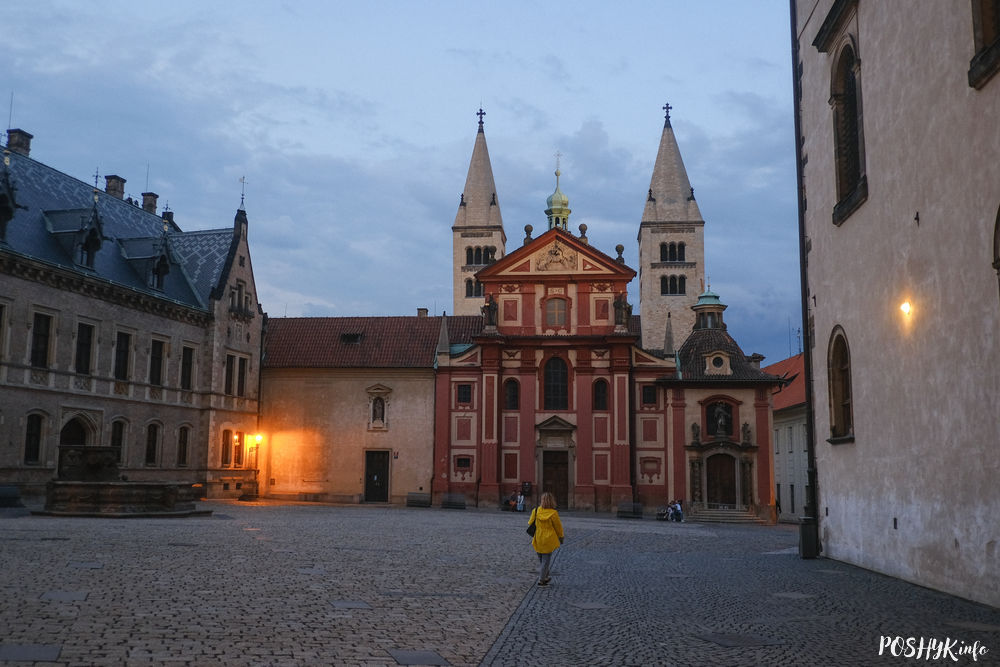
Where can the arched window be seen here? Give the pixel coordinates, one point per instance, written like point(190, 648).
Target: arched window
point(664, 253)
point(183, 435)
point(664, 285)
point(152, 443)
point(469, 257)
point(601, 395)
point(673, 252)
point(839, 371)
point(680, 252)
point(479, 289)
point(511, 395)
point(556, 385)
point(33, 439)
point(555, 312)
point(673, 285)
point(848, 135)
point(681, 285)
point(227, 447)
point(479, 256)
point(73, 433)
point(118, 437)
point(469, 288)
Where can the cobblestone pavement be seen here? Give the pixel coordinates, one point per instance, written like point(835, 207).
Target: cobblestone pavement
point(269, 584)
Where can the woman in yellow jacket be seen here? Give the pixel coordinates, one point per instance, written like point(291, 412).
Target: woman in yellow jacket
point(548, 535)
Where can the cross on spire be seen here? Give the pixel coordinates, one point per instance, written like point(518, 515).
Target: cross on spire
point(243, 190)
point(480, 113)
point(558, 156)
point(666, 109)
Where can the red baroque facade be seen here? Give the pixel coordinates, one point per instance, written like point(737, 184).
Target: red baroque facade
point(556, 392)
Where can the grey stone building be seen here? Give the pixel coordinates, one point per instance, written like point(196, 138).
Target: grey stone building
point(119, 329)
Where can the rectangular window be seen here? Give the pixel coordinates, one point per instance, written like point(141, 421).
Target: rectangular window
point(123, 354)
point(555, 312)
point(33, 439)
point(182, 446)
point(187, 365)
point(777, 433)
point(649, 394)
point(791, 497)
point(230, 368)
point(156, 362)
point(241, 378)
point(238, 450)
point(40, 332)
point(791, 440)
point(464, 394)
point(227, 447)
point(152, 436)
point(84, 347)
point(118, 437)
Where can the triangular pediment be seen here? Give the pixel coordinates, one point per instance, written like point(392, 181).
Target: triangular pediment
point(556, 252)
point(642, 358)
point(556, 423)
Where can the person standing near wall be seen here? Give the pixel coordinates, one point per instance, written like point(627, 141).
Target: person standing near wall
point(548, 535)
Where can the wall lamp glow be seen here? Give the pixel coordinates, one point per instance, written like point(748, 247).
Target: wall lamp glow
point(905, 307)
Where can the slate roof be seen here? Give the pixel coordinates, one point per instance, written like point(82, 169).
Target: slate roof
point(57, 205)
point(792, 394)
point(704, 341)
point(362, 342)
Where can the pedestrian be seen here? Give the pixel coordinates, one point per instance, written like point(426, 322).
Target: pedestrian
point(520, 501)
point(548, 535)
point(678, 512)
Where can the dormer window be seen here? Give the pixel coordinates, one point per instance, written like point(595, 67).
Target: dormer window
point(159, 272)
point(350, 338)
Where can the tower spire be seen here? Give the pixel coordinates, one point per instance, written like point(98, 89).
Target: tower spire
point(557, 205)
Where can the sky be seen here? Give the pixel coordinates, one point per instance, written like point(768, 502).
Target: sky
point(352, 126)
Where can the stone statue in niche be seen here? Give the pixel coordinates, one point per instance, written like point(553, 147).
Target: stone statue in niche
point(623, 310)
point(695, 433)
point(378, 410)
point(747, 437)
point(489, 310)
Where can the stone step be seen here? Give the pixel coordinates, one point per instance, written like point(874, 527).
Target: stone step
point(723, 516)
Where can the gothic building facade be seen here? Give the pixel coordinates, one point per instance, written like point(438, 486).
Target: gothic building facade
point(118, 329)
point(900, 218)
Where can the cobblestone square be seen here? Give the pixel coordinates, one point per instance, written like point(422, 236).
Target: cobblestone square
point(269, 584)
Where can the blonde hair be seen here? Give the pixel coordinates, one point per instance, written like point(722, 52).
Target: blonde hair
point(548, 501)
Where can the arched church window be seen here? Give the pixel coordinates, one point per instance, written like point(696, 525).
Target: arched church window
point(848, 135)
point(479, 256)
point(664, 285)
point(479, 289)
point(672, 252)
point(664, 254)
point(680, 252)
point(556, 385)
point(511, 395)
point(555, 312)
point(673, 285)
point(839, 372)
point(469, 288)
point(469, 256)
point(601, 395)
point(681, 285)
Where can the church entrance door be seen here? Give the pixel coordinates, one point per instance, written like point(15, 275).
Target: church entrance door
point(720, 473)
point(555, 476)
point(377, 477)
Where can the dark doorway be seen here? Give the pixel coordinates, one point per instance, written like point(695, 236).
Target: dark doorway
point(376, 477)
point(555, 476)
point(720, 469)
point(73, 433)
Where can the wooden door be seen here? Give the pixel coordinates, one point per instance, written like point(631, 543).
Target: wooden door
point(720, 471)
point(377, 477)
point(555, 476)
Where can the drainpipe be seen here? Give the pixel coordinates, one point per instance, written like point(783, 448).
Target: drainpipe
point(809, 546)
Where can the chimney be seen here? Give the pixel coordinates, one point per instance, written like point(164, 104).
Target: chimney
point(115, 186)
point(421, 312)
point(149, 202)
point(19, 141)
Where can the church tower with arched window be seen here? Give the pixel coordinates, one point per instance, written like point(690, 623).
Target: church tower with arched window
point(478, 238)
point(671, 248)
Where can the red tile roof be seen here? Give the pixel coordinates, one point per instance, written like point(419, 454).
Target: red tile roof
point(793, 393)
point(361, 342)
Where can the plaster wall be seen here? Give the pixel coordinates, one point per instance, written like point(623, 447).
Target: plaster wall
point(914, 495)
point(655, 306)
point(316, 427)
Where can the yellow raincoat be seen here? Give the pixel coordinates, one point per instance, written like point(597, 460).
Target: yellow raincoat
point(548, 530)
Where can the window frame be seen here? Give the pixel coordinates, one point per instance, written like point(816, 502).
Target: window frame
point(552, 312)
point(157, 361)
point(183, 445)
point(34, 438)
point(555, 384)
point(840, 389)
point(84, 353)
point(511, 394)
point(151, 455)
point(40, 352)
point(122, 361)
point(600, 399)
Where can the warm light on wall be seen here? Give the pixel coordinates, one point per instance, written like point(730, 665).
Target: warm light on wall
point(257, 438)
point(905, 307)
